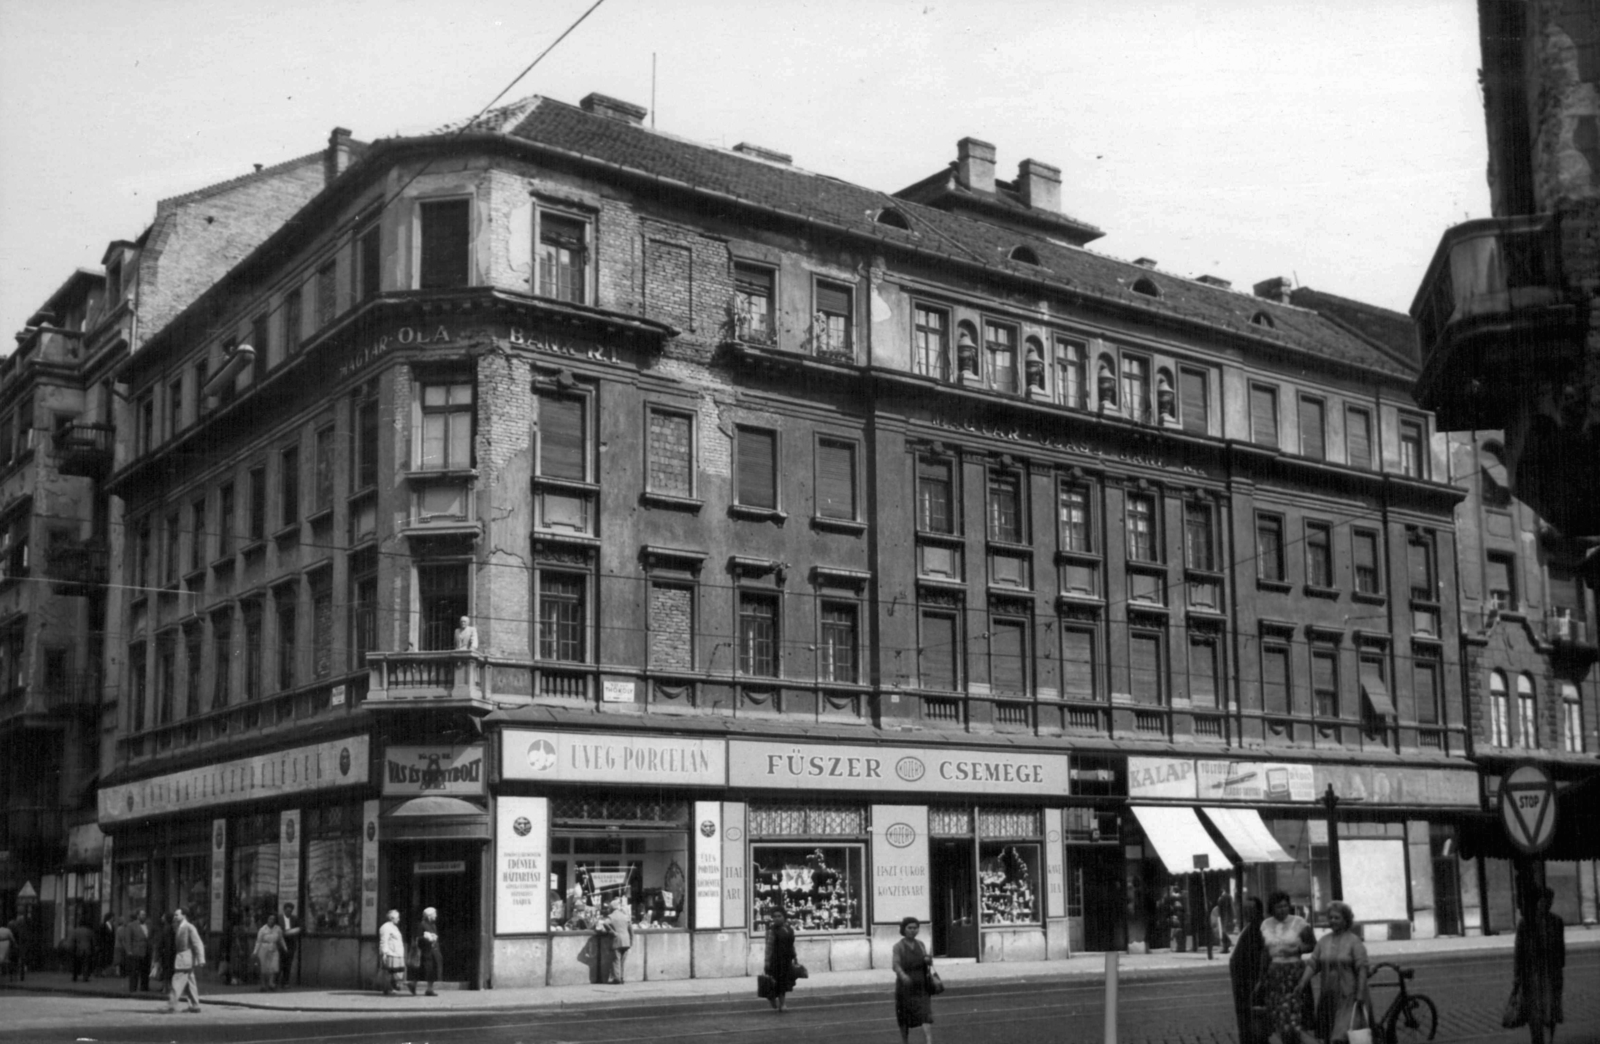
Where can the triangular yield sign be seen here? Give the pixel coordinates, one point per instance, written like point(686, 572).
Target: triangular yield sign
point(1530, 804)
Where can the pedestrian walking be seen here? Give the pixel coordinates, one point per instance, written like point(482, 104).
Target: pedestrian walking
point(1245, 968)
point(291, 939)
point(1285, 937)
point(1222, 920)
point(82, 945)
point(136, 953)
point(427, 946)
point(188, 957)
point(269, 951)
point(1340, 958)
point(618, 924)
point(913, 1003)
point(781, 960)
point(1539, 963)
point(106, 957)
point(391, 954)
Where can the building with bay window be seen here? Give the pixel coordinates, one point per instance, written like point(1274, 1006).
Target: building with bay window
point(598, 516)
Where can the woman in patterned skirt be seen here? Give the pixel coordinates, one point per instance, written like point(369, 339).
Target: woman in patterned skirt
point(1285, 937)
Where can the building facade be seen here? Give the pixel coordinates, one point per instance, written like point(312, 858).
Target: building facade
point(597, 516)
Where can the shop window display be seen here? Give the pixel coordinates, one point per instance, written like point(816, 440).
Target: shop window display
point(191, 877)
point(643, 868)
point(333, 869)
point(1008, 879)
point(253, 884)
point(818, 887)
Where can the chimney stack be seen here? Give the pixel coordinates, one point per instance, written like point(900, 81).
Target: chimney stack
point(337, 156)
point(1145, 262)
point(1274, 289)
point(975, 165)
point(613, 108)
point(745, 148)
point(1039, 184)
point(1218, 281)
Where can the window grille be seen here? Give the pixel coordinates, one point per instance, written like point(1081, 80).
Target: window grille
point(809, 820)
point(1008, 822)
point(950, 820)
point(613, 809)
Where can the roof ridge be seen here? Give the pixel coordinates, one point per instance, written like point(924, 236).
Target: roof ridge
point(211, 190)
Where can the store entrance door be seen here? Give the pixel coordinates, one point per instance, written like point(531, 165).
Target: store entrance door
point(443, 875)
point(955, 914)
point(1097, 870)
point(1446, 896)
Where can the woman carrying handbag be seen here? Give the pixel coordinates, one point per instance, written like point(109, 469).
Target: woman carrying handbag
point(1341, 959)
point(915, 983)
point(781, 964)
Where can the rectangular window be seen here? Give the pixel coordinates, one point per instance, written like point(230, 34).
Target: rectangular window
point(1199, 536)
point(1275, 678)
point(289, 487)
point(1203, 670)
point(444, 259)
point(1364, 551)
point(1263, 415)
point(293, 319)
point(327, 294)
point(1500, 714)
point(939, 651)
point(1078, 663)
point(138, 687)
point(194, 659)
point(562, 617)
point(1194, 392)
point(261, 339)
point(221, 659)
point(226, 523)
point(1077, 533)
point(1005, 508)
point(166, 679)
point(1571, 718)
point(1426, 672)
point(444, 597)
point(1136, 387)
point(364, 448)
point(1269, 548)
point(258, 504)
point(1072, 361)
point(286, 640)
point(1319, 554)
point(1500, 583)
point(1358, 437)
point(1312, 434)
point(752, 303)
point(935, 496)
point(757, 474)
point(836, 479)
point(837, 651)
point(253, 658)
point(563, 257)
point(670, 469)
point(1142, 538)
point(1008, 656)
point(1325, 680)
point(1420, 567)
point(832, 332)
point(367, 256)
point(197, 534)
point(563, 436)
point(323, 491)
point(322, 625)
point(931, 334)
point(363, 581)
point(1144, 668)
point(758, 634)
point(672, 626)
point(202, 401)
point(1413, 461)
point(447, 426)
point(174, 408)
point(147, 426)
point(1000, 342)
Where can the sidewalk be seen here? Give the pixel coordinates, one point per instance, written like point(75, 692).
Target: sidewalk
point(699, 991)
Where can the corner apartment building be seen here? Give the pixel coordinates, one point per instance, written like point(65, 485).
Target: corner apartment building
point(859, 553)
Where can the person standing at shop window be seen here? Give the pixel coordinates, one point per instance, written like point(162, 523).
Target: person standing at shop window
point(781, 959)
point(291, 940)
point(427, 951)
point(1285, 937)
point(618, 923)
point(391, 954)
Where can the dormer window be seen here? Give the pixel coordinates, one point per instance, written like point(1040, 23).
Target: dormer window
point(1146, 286)
point(893, 218)
point(113, 284)
point(1025, 255)
point(1263, 319)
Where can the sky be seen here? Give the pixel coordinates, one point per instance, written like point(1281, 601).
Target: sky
point(1332, 143)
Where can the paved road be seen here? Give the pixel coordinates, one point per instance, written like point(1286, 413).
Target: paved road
point(1161, 1008)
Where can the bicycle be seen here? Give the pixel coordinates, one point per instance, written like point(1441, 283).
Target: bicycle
point(1410, 1017)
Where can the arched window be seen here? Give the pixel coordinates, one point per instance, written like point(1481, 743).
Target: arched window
point(1571, 718)
point(1147, 287)
point(1527, 714)
point(1499, 709)
point(1263, 319)
point(1025, 255)
point(893, 218)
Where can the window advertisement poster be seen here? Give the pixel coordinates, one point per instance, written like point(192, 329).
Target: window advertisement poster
point(899, 863)
point(522, 865)
point(733, 864)
point(599, 757)
point(708, 864)
point(1161, 778)
point(369, 868)
point(219, 870)
point(289, 858)
point(1254, 781)
point(1055, 865)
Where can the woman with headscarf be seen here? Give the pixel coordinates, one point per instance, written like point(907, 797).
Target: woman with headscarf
point(1244, 968)
point(1341, 959)
point(1285, 936)
point(427, 944)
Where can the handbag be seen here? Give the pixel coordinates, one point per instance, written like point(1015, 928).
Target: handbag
point(935, 984)
point(1512, 1015)
point(1363, 1034)
point(413, 957)
point(800, 971)
point(764, 988)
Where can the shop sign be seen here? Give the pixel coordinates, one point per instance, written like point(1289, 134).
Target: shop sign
point(1055, 892)
point(289, 858)
point(219, 870)
point(439, 867)
point(336, 763)
point(1365, 784)
point(604, 757)
point(827, 767)
point(707, 864)
point(1254, 781)
point(410, 771)
point(618, 692)
point(369, 868)
point(733, 864)
point(1161, 778)
point(899, 863)
point(522, 865)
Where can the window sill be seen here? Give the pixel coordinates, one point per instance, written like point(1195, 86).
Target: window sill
point(1318, 591)
point(287, 533)
point(222, 562)
point(195, 577)
point(572, 485)
point(668, 500)
point(1007, 547)
point(1148, 607)
point(927, 536)
point(256, 546)
point(318, 517)
point(1077, 558)
point(1068, 600)
point(442, 475)
point(757, 514)
point(1368, 598)
point(1280, 586)
point(839, 525)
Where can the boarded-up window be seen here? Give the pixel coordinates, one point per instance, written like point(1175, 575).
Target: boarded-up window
point(671, 626)
point(757, 468)
point(1195, 393)
point(1008, 656)
point(443, 260)
point(1144, 668)
point(1275, 679)
point(836, 479)
point(562, 443)
point(1263, 415)
point(671, 454)
point(1311, 429)
point(1077, 664)
point(936, 661)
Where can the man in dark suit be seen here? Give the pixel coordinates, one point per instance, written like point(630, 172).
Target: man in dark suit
point(291, 938)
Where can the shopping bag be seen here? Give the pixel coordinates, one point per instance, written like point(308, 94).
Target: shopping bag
point(764, 987)
point(413, 957)
point(1360, 1031)
point(1512, 1016)
point(935, 984)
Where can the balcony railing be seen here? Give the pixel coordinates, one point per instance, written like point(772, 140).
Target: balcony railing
point(79, 568)
point(85, 449)
point(71, 690)
point(1564, 628)
point(445, 675)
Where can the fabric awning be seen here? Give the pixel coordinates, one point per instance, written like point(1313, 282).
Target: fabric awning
point(1179, 836)
point(1243, 829)
point(1378, 696)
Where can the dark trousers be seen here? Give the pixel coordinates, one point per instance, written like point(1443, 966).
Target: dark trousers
point(138, 969)
point(82, 965)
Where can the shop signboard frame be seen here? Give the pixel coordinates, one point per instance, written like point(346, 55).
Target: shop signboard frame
point(895, 769)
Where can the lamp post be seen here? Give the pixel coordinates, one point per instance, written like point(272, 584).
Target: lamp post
point(1330, 801)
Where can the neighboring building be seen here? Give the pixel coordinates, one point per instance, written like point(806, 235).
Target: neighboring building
point(61, 528)
point(863, 553)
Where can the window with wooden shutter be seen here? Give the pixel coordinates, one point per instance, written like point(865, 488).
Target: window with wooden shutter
point(1263, 415)
point(1325, 680)
point(833, 326)
point(443, 260)
point(1077, 664)
point(1203, 670)
point(1144, 668)
point(1311, 429)
point(757, 468)
point(1358, 437)
point(1198, 540)
point(1269, 547)
point(1008, 650)
point(1275, 679)
point(934, 496)
point(1364, 548)
point(1419, 565)
point(836, 479)
point(1195, 394)
point(936, 660)
point(563, 429)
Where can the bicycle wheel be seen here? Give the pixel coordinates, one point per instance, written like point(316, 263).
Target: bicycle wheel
point(1416, 1021)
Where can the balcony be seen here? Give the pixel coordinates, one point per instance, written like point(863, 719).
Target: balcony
point(1491, 313)
point(85, 449)
point(1568, 634)
point(445, 677)
point(78, 568)
point(70, 692)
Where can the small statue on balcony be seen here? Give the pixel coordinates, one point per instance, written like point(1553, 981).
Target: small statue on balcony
point(966, 352)
point(466, 636)
point(1166, 399)
point(1107, 382)
point(1033, 366)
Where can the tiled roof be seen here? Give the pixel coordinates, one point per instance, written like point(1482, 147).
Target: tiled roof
point(1388, 329)
point(803, 194)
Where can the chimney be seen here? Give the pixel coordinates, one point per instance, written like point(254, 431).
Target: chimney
point(613, 108)
point(1274, 289)
point(337, 156)
point(1145, 262)
point(1039, 184)
point(1211, 280)
point(744, 148)
point(975, 165)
